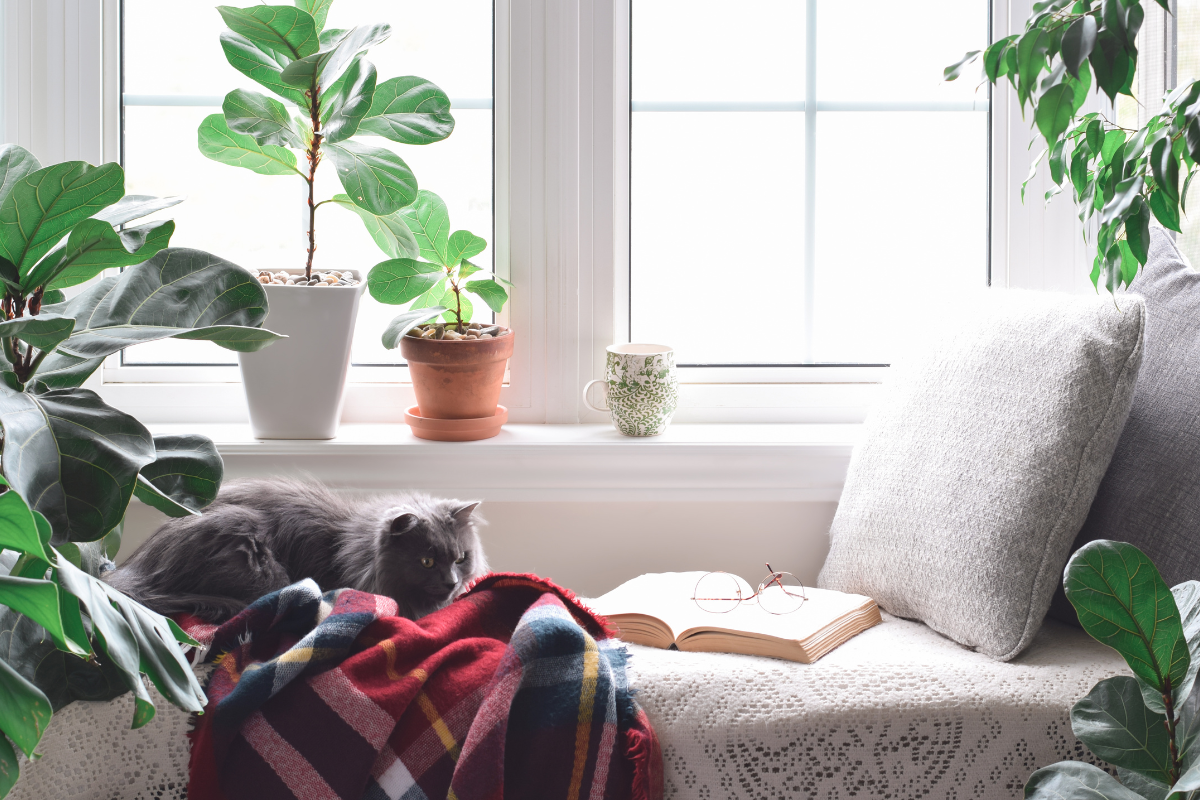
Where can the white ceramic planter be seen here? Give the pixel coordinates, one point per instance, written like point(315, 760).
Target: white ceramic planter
point(295, 387)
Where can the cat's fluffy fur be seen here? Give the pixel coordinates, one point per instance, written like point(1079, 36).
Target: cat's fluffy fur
point(261, 535)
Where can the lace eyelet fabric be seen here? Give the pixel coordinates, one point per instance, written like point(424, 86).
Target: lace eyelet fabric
point(89, 752)
point(897, 712)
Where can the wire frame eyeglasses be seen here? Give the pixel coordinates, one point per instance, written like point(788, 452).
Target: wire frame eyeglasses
point(721, 592)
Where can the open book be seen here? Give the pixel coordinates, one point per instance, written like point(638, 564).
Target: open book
point(657, 610)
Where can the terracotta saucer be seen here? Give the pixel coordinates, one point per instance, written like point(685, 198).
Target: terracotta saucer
point(455, 430)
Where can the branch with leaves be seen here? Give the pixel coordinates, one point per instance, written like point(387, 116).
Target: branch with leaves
point(1118, 177)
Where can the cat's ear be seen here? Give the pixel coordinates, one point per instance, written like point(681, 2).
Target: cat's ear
point(403, 523)
point(462, 516)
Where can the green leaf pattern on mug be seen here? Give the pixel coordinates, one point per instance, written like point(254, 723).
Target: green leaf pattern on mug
point(643, 392)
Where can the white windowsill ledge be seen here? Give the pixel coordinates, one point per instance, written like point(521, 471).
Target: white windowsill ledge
point(793, 462)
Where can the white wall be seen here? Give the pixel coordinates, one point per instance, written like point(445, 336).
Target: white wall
point(592, 547)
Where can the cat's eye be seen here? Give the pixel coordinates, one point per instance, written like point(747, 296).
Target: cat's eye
point(461, 559)
point(427, 562)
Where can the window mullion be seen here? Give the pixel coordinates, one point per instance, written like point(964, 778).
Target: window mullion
point(810, 172)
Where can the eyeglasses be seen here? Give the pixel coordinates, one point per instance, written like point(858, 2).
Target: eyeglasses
point(720, 593)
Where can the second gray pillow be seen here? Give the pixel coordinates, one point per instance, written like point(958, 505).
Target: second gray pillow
point(977, 467)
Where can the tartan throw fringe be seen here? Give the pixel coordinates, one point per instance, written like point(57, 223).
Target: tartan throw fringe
point(514, 691)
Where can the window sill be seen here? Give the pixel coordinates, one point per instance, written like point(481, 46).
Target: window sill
point(786, 462)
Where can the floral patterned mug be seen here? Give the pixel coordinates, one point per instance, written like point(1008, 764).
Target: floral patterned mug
point(641, 386)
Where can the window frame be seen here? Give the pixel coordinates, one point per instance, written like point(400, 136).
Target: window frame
point(561, 116)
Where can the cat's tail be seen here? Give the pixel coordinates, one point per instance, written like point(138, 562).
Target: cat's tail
point(210, 608)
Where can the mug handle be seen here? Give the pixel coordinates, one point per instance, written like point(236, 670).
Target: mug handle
point(588, 403)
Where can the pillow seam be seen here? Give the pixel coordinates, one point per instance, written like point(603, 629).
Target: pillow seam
point(1026, 633)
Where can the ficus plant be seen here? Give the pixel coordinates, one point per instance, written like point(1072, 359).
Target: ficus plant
point(69, 462)
point(438, 283)
point(324, 74)
point(1146, 725)
point(1119, 177)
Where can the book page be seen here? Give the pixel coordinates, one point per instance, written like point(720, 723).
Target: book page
point(668, 596)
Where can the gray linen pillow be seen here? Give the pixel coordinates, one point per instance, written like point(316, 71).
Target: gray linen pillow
point(978, 465)
point(1150, 496)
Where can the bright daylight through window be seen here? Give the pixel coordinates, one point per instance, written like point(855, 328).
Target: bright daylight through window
point(260, 222)
point(802, 181)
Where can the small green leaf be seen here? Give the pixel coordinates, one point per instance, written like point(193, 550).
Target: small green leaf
point(466, 269)
point(492, 293)
point(1137, 230)
point(187, 470)
point(429, 222)
point(1122, 602)
point(403, 323)
point(18, 528)
point(1166, 169)
point(1078, 42)
point(954, 70)
point(1122, 199)
point(263, 119)
point(1031, 60)
point(400, 280)
point(317, 9)
point(1110, 63)
point(374, 178)
point(1057, 168)
point(994, 61)
point(15, 163)
point(463, 244)
point(238, 150)
point(286, 30)
point(1095, 135)
point(1165, 211)
point(322, 69)
point(1113, 140)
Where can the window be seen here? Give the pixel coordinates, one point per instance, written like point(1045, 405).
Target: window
point(801, 179)
point(259, 221)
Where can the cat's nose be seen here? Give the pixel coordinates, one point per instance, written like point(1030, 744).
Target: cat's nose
point(450, 587)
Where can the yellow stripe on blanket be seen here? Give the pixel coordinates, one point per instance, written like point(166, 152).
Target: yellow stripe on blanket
point(587, 698)
point(439, 725)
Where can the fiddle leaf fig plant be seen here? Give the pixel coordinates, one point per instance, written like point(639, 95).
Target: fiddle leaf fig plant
point(324, 74)
point(1144, 725)
point(438, 282)
point(1120, 177)
point(69, 462)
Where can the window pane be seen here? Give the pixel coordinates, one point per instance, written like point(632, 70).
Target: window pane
point(899, 240)
point(726, 262)
point(717, 225)
point(260, 221)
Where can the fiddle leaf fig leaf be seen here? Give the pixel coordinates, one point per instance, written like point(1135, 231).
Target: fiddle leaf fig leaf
point(135, 206)
point(492, 293)
point(61, 371)
point(24, 710)
point(345, 107)
point(77, 457)
point(463, 244)
point(260, 67)
point(323, 68)
point(44, 331)
point(400, 280)
point(184, 476)
point(219, 143)
point(179, 293)
point(1123, 602)
point(15, 163)
point(263, 119)
point(43, 206)
point(409, 110)
point(403, 323)
point(95, 246)
point(317, 9)
point(429, 222)
point(375, 179)
point(286, 30)
point(388, 230)
point(1075, 780)
point(1115, 724)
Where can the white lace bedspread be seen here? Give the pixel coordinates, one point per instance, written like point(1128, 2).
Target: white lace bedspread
point(897, 712)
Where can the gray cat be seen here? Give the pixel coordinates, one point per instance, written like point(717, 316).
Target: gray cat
point(262, 535)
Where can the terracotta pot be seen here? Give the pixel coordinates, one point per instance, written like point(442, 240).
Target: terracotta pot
point(457, 379)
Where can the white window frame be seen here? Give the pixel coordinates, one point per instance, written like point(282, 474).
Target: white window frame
point(561, 215)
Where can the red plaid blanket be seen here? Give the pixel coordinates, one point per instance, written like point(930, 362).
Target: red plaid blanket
point(515, 691)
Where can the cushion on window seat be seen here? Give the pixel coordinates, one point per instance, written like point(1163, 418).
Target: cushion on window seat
point(899, 711)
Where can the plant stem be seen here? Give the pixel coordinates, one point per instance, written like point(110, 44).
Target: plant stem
point(314, 158)
point(458, 302)
point(1169, 705)
point(10, 352)
point(32, 366)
